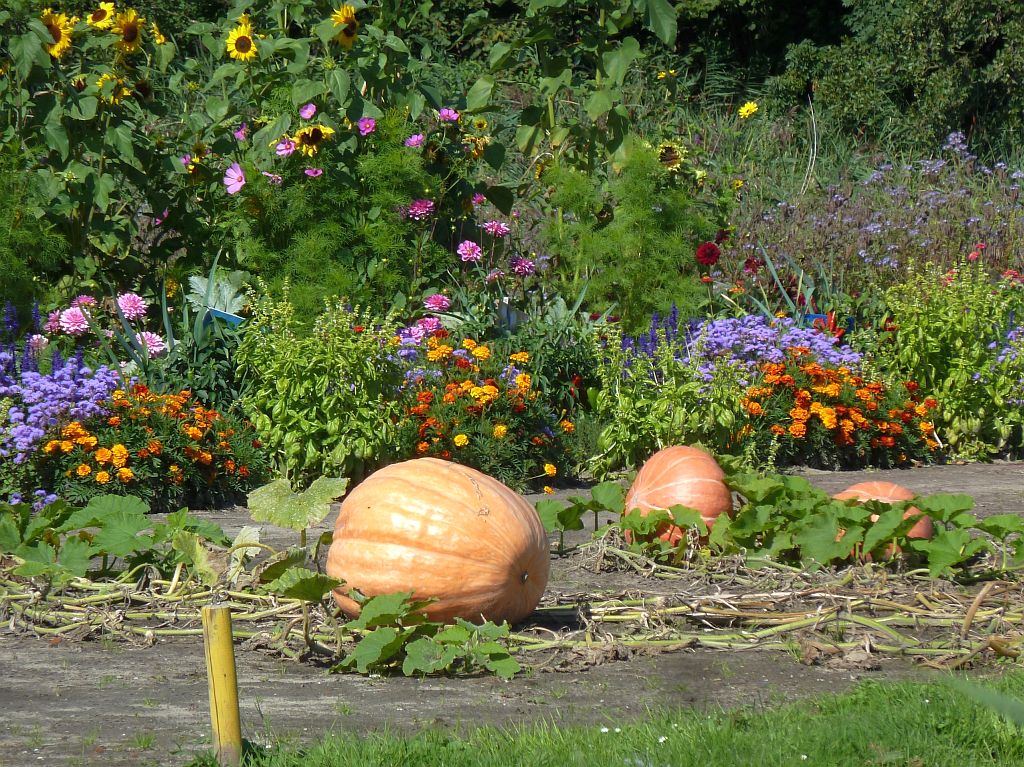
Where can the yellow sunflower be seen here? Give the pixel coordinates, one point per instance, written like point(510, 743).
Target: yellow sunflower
point(309, 139)
point(117, 93)
point(102, 17)
point(671, 155)
point(158, 36)
point(129, 27)
point(60, 28)
point(344, 19)
point(240, 44)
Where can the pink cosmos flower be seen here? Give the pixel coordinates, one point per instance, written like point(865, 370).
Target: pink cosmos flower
point(185, 160)
point(428, 324)
point(307, 111)
point(469, 251)
point(437, 302)
point(52, 322)
point(285, 147)
point(234, 178)
point(273, 178)
point(479, 199)
point(420, 209)
point(416, 139)
point(523, 266)
point(447, 115)
point(367, 125)
point(153, 343)
point(73, 321)
point(84, 300)
point(131, 305)
point(314, 172)
point(496, 228)
point(161, 218)
point(243, 132)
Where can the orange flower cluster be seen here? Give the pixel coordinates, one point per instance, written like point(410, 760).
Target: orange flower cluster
point(800, 398)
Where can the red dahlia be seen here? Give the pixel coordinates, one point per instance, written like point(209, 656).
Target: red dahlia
point(708, 253)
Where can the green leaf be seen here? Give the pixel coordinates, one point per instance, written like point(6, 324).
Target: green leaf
point(27, 51)
point(83, 108)
point(40, 559)
point(57, 138)
point(389, 609)
point(1001, 525)
point(120, 534)
point(501, 197)
point(947, 549)
point(548, 510)
point(300, 583)
point(217, 108)
point(277, 504)
point(74, 556)
point(884, 529)
point(497, 659)
point(102, 507)
point(618, 61)
point(610, 496)
point(248, 534)
point(661, 20)
point(103, 185)
point(686, 517)
point(307, 90)
point(943, 507)
point(375, 649)
point(455, 634)
point(498, 56)
point(203, 565)
point(425, 656)
point(479, 96)
point(494, 155)
point(1003, 704)
point(599, 103)
point(339, 82)
point(816, 538)
point(281, 562)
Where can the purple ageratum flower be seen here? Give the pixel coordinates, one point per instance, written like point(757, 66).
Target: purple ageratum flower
point(307, 111)
point(242, 133)
point(496, 228)
point(469, 251)
point(415, 140)
point(132, 306)
point(447, 115)
point(234, 178)
point(367, 125)
point(273, 178)
point(285, 147)
point(154, 344)
point(73, 321)
point(420, 210)
point(314, 172)
point(438, 302)
point(522, 266)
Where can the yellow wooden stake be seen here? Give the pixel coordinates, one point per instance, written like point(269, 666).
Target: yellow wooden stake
point(223, 683)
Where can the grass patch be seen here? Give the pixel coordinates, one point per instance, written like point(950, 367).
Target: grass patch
point(877, 723)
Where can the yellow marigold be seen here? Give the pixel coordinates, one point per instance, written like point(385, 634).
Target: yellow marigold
point(550, 470)
point(500, 430)
point(481, 353)
point(466, 386)
point(83, 470)
point(441, 352)
point(128, 26)
point(103, 455)
point(926, 427)
point(520, 358)
point(52, 446)
point(73, 430)
point(567, 426)
point(798, 429)
point(754, 408)
point(777, 429)
point(799, 414)
point(548, 489)
point(468, 343)
point(125, 474)
point(523, 381)
point(66, 446)
point(88, 442)
point(102, 477)
point(119, 455)
point(460, 440)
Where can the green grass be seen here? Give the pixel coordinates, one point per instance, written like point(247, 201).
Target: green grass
point(877, 723)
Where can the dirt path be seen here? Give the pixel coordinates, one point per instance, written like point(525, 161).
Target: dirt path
point(106, 703)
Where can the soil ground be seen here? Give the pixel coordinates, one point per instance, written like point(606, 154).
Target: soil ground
point(106, 703)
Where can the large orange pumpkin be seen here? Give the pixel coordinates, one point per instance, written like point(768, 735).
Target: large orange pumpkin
point(889, 492)
point(680, 475)
point(442, 531)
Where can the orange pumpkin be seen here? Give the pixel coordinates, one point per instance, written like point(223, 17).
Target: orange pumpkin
point(680, 475)
point(889, 492)
point(441, 531)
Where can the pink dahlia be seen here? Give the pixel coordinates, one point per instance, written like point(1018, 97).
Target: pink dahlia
point(429, 324)
point(707, 254)
point(496, 228)
point(420, 209)
point(153, 344)
point(74, 321)
point(438, 302)
point(479, 199)
point(523, 266)
point(132, 306)
point(469, 251)
point(495, 274)
point(84, 300)
point(52, 322)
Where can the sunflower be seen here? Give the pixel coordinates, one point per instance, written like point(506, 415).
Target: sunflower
point(60, 27)
point(102, 17)
point(129, 27)
point(240, 43)
point(671, 155)
point(344, 19)
point(308, 139)
point(158, 36)
point(117, 93)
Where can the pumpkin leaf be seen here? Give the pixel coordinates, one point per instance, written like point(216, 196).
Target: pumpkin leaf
point(817, 540)
point(884, 529)
point(102, 507)
point(427, 656)
point(300, 583)
point(496, 659)
point(206, 565)
point(274, 567)
point(120, 534)
point(389, 609)
point(248, 534)
point(277, 504)
point(610, 495)
point(375, 649)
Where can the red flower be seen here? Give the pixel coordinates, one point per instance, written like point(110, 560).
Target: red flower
point(358, 328)
point(752, 265)
point(708, 253)
point(721, 236)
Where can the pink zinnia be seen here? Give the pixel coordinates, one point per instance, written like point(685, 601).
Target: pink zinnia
point(469, 251)
point(523, 266)
point(285, 147)
point(307, 111)
point(367, 125)
point(243, 132)
point(447, 115)
point(437, 302)
point(153, 343)
point(234, 178)
point(496, 228)
point(420, 209)
point(428, 324)
point(131, 305)
point(273, 178)
point(73, 321)
point(52, 322)
point(83, 300)
point(314, 172)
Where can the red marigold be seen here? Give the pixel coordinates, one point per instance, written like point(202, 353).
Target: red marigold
point(708, 253)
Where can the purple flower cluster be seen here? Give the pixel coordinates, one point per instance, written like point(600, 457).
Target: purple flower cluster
point(70, 392)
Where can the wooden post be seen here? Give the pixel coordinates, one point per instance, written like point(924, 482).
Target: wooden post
point(223, 684)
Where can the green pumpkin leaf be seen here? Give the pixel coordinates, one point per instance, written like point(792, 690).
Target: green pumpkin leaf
point(279, 563)
point(661, 20)
point(300, 583)
point(548, 510)
point(389, 609)
point(375, 649)
point(817, 540)
point(426, 656)
point(75, 555)
point(205, 566)
point(884, 529)
point(277, 504)
point(610, 495)
point(120, 534)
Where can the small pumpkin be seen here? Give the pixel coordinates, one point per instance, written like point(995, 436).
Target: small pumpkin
point(442, 531)
point(888, 492)
point(680, 475)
